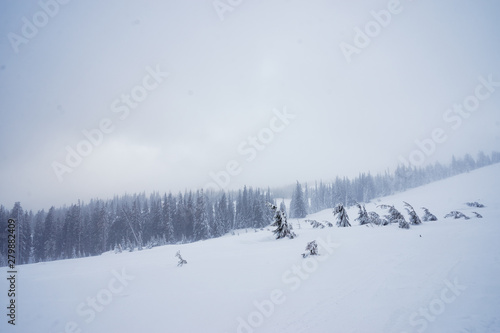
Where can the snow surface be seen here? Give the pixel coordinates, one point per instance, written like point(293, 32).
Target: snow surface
point(441, 276)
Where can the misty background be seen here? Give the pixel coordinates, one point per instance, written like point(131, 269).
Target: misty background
point(225, 79)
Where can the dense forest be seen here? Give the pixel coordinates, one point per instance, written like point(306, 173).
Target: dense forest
point(142, 221)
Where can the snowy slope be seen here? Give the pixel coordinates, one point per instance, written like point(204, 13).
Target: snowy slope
point(441, 276)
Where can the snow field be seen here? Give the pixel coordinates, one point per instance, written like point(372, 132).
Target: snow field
point(440, 276)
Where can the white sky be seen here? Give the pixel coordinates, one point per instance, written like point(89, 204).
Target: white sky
point(225, 79)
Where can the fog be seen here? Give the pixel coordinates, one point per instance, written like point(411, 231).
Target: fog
point(99, 99)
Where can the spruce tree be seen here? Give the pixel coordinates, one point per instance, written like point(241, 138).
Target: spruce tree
point(428, 216)
point(280, 222)
point(363, 217)
point(414, 219)
point(298, 208)
point(342, 217)
point(394, 214)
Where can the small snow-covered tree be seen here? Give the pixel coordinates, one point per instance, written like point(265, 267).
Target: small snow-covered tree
point(181, 260)
point(280, 222)
point(428, 216)
point(342, 217)
point(414, 219)
point(456, 215)
point(403, 224)
point(394, 214)
point(363, 217)
point(374, 218)
point(311, 249)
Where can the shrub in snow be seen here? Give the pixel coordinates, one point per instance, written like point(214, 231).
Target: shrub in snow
point(414, 219)
point(315, 224)
point(282, 228)
point(456, 215)
point(394, 214)
point(312, 249)
point(479, 216)
point(328, 224)
point(475, 204)
point(374, 218)
point(363, 217)
point(403, 224)
point(428, 216)
point(342, 217)
point(181, 260)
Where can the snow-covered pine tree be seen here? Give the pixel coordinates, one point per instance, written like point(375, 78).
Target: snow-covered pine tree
point(374, 218)
point(342, 217)
point(394, 214)
point(311, 249)
point(403, 224)
point(456, 215)
point(282, 228)
point(428, 216)
point(363, 217)
point(414, 219)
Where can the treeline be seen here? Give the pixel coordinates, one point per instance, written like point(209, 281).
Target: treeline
point(130, 222)
point(366, 187)
point(136, 221)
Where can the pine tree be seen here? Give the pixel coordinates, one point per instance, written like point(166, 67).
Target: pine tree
point(298, 207)
point(342, 217)
point(363, 217)
point(414, 219)
point(280, 222)
point(201, 225)
point(311, 249)
point(428, 216)
point(394, 215)
point(49, 236)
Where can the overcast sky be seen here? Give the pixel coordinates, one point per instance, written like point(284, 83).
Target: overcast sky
point(275, 91)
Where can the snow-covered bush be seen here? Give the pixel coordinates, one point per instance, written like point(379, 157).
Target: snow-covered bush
point(403, 224)
point(474, 204)
point(328, 223)
point(456, 215)
point(316, 224)
point(374, 218)
point(428, 216)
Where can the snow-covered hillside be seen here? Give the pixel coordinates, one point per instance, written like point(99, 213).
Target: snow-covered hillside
point(440, 276)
